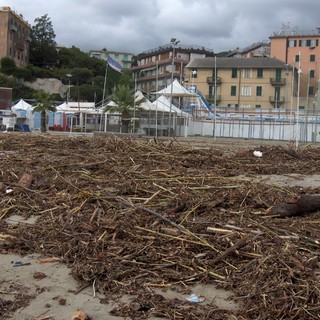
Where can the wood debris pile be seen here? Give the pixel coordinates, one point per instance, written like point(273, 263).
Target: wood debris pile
point(129, 216)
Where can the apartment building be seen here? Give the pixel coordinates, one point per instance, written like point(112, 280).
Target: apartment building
point(302, 50)
point(259, 49)
point(124, 58)
point(249, 83)
point(157, 67)
point(14, 37)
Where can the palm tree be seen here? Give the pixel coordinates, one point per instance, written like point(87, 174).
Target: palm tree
point(44, 104)
point(125, 101)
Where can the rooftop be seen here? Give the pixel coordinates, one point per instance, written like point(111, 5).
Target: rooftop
point(236, 63)
point(182, 47)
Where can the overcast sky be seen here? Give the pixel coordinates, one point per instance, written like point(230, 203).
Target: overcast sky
point(139, 25)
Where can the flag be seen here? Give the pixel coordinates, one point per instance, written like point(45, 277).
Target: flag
point(115, 65)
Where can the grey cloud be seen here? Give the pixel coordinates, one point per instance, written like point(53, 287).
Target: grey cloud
point(140, 25)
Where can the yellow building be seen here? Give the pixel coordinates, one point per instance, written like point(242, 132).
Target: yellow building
point(14, 37)
point(242, 82)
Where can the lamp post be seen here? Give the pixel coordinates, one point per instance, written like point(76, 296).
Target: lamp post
point(174, 42)
point(69, 87)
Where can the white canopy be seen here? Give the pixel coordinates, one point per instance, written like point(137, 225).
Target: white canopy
point(147, 104)
point(74, 107)
point(175, 89)
point(163, 103)
point(22, 105)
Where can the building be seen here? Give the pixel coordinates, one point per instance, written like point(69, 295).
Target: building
point(14, 37)
point(249, 83)
point(156, 68)
point(124, 58)
point(256, 50)
point(302, 50)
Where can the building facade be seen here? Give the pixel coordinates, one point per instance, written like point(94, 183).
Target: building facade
point(14, 37)
point(124, 58)
point(256, 50)
point(157, 67)
point(247, 83)
point(302, 50)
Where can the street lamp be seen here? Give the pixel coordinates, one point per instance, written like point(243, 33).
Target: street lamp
point(69, 87)
point(174, 42)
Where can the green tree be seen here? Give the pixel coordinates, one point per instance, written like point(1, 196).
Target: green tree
point(43, 51)
point(8, 66)
point(44, 104)
point(125, 101)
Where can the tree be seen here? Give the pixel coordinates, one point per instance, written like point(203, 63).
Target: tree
point(125, 101)
point(43, 51)
point(8, 66)
point(43, 105)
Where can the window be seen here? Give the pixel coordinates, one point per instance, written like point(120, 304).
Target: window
point(214, 73)
point(233, 91)
point(194, 73)
point(246, 91)
point(247, 73)
point(234, 73)
point(258, 106)
point(311, 91)
point(312, 58)
point(278, 74)
point(302, 43)
point(259, 91)
point(311, 74)
point(260, 73)
point(297, 58)
point(292, 43)
point(314, 43)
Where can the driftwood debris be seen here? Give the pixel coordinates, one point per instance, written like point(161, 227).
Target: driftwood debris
point(25, 181)
point(131, 217)
point(297, 206)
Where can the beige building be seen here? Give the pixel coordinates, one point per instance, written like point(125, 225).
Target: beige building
point(124, 58)
point(14, 37)
point(249, 83)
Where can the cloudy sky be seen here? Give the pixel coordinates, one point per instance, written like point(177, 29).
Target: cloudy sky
point(139, 25)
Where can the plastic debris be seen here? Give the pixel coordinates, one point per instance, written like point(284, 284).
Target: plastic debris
point(195, 298)
point(257, 153)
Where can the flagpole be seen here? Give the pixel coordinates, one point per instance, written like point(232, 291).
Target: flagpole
point(103, 95)
point(134, 103)
point(298, 102)
point(157, 88)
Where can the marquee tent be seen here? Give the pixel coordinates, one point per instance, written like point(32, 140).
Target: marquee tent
point(22, 105)
point(164, 104)
point(175, 89)
point(147, 104)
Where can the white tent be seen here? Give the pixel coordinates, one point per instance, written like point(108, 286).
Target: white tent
point(164, 104)
point(175, 89)
point(75, 107)
point(146, 105)
point(22, 105)
point(23, 110)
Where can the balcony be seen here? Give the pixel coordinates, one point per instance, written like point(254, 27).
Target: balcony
point(13, 27)
point(20, 46)
point(277, 81)
point(211, 80)
point(211, 99)
point(277, 100)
